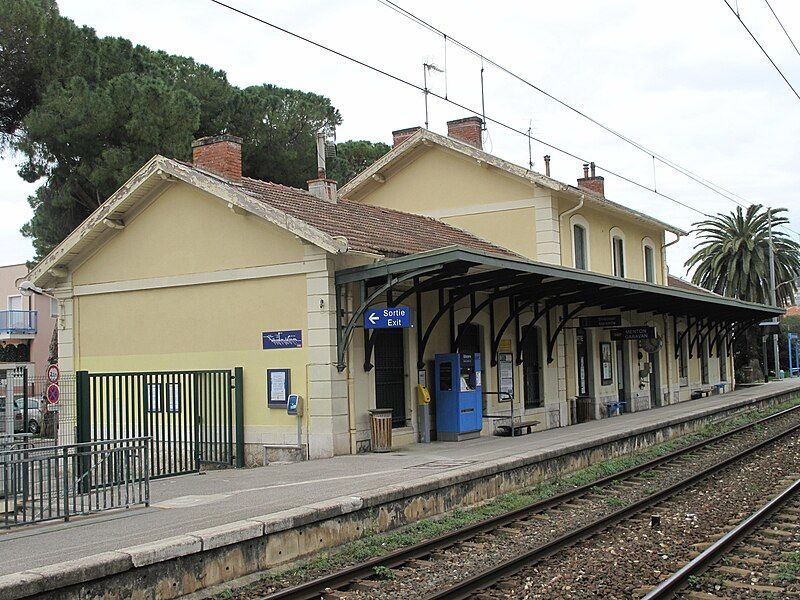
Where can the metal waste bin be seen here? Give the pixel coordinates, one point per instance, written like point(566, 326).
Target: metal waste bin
point(381, 422)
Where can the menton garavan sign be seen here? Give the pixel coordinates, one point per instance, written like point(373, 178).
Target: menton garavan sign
point(619, 334)
point(395, 317)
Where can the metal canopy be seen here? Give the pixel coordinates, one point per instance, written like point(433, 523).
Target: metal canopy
point(456, 274)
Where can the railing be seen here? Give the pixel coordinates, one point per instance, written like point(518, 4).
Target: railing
point(59, 482)
point(18, 321)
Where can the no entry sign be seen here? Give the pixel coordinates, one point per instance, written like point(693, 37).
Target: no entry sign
point(53, 393)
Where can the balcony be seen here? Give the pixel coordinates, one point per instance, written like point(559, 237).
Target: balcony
point(18, 324)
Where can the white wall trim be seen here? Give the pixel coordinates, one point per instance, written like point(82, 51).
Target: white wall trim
point(293, 268)
point(648, 243)
point(616, 232)
point(580, 220)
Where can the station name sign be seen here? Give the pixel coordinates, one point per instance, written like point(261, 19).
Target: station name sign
point(620, 334)
point(274, 340)
point(601, 321)
point(395, 317)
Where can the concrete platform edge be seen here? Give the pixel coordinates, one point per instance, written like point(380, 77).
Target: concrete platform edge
point(50, 581)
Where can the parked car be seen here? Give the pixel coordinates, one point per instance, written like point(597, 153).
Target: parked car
point(34, 423)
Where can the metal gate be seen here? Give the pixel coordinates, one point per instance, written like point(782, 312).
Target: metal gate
point(193, 418)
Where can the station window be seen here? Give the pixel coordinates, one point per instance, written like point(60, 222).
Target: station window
point(704, 362)
point(618, 255)
point(723, 360)
point(683, 363)
point(649, 264)
point(579, 238)
point(532, 369)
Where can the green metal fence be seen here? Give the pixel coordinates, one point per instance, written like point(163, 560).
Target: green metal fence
point(193, 418)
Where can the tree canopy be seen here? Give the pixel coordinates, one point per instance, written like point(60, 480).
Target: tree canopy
point(732, 256)
point(85, 112)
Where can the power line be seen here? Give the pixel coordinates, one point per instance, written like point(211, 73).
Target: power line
point(710, 185)
point(791, 41)
point(769, 58)
point(419, 88)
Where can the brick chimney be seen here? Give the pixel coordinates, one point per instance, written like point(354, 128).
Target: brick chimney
point(220, 154)
point(401, 135)
point(590, 181)
point(467, 130)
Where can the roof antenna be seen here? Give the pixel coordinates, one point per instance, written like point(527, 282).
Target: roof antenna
point(483, 103)
point(425, 68)
point(530, 153)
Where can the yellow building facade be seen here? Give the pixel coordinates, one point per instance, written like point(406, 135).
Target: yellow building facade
point(192, 267)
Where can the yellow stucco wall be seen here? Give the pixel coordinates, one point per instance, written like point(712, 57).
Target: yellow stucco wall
point(211, 325)
point(187, 231)
point(455, 189)
point(512, 229)
point(600, 223)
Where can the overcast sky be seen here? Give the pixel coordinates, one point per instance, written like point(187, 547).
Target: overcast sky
point(681, 77)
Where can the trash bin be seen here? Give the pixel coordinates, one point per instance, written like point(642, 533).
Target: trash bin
point(381, 422)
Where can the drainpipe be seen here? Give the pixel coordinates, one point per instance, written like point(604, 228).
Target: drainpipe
point(664, 270)
point(668, 357)
point(567, 213)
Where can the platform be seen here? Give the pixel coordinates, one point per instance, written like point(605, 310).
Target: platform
point(186, 504)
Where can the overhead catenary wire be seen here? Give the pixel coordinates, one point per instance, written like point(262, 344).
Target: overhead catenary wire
point(788, 37)
point(419, 88)
point(710, 185)
point(755, 39)
point(473, 110)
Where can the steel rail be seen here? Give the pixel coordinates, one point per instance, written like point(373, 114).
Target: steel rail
point(312, 590)
point(678, 580)
point(486, 578)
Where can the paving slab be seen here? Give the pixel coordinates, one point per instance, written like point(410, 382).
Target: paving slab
point(215, 499)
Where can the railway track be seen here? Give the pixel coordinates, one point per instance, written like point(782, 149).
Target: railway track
point(759, 557)
point(700, 458)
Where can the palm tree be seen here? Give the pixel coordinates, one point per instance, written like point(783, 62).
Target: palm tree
point(732, 255)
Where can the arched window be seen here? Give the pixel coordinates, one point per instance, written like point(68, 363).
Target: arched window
point(617, 252)
point(649, 257)
point(579, 228)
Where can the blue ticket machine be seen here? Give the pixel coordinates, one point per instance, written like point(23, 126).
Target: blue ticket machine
point(459, 402)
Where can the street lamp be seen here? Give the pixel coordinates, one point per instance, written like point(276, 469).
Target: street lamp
point(26, 288)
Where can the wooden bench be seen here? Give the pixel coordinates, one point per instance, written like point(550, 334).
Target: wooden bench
point(521, 428)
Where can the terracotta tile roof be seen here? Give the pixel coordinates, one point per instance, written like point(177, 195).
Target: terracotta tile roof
point(682, 284)
point(367, 228)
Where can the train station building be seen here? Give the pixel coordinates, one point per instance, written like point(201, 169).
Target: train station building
point(494, 287)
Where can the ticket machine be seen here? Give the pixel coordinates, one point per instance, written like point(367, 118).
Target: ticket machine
point(459, 403)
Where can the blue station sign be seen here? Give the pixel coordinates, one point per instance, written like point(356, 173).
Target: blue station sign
point(273, 340)
point(396, 317)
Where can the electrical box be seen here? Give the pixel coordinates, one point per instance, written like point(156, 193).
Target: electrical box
point(294, 405)
point(459, 401)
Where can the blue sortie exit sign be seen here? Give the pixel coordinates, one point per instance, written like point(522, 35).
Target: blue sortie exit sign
point(396, 317)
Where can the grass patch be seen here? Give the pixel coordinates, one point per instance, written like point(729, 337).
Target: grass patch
point(373, 544)
point(384, 573)
point(789, 568)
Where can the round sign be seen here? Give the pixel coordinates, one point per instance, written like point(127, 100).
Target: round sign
point(53, 373)
point(53, 393)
